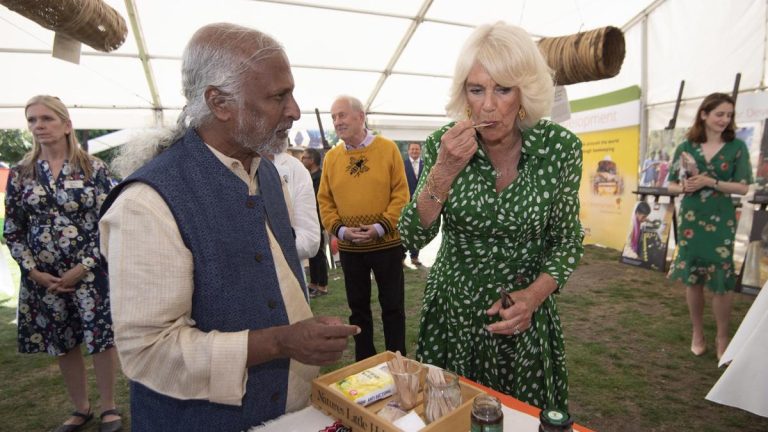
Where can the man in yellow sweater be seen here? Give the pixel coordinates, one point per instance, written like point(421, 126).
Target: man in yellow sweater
point(362, 191)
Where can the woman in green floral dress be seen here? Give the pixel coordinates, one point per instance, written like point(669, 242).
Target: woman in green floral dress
point(714, 165)
point(504, 185)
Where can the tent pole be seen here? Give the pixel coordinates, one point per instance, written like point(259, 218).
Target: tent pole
point(643, 15)
point(133, 18)
point(700, 97)
point(157, 117)
point(417, 20)
point(765, 46)
point(644, 85)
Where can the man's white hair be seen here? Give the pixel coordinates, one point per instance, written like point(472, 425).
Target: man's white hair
point(217, 55)
point(142, 148)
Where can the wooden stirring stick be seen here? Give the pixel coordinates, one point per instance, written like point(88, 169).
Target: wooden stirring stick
point(403, 383)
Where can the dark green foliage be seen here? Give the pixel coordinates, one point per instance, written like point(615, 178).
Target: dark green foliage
point(14, 143)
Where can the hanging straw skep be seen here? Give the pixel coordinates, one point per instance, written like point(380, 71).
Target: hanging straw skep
point(586, 56)
point(91, 22)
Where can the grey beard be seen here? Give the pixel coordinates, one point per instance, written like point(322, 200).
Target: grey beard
point(252, 135)
point(275, 145)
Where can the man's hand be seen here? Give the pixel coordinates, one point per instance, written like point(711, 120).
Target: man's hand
point(368, 233)
point(361, 234)
point(315, 341)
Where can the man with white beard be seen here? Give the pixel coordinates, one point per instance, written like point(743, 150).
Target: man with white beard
point(211, 316)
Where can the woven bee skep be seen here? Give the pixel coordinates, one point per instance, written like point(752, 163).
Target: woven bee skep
point(91, 22)
point(586, 56)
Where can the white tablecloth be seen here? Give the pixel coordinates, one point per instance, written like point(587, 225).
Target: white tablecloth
point(311, 419)
point(744, 384)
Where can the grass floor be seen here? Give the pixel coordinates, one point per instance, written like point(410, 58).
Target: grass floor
point(627, 338)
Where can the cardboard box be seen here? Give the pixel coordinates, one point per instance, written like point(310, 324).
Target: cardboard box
point(365, 419)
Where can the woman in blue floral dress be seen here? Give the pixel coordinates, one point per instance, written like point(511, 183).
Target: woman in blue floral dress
point(504, 185)
point(52, 206)
point(714, 165)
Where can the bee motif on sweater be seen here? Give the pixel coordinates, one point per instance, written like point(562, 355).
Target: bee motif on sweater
point(357, 166)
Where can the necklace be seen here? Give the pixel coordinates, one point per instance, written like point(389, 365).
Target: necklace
point(498, 172)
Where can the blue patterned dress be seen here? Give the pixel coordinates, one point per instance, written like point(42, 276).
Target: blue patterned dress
point(505, 239)
point(52, 225)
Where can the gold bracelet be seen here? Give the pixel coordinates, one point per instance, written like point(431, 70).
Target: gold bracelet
point(431, 194)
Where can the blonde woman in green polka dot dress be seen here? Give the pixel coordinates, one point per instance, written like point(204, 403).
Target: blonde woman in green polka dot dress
point(717, 165)
point(503, 185)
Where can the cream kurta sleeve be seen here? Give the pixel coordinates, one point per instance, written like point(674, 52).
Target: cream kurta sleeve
point(151, 299)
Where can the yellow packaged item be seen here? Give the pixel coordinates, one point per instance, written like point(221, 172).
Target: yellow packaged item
point(368, 386)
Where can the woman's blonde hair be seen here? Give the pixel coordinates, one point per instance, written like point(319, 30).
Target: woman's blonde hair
point(512, 59)
point(78, 158)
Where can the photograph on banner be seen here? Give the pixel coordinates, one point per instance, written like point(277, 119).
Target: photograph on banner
point(758, 152)
point(744, 215)
point(4, 172)
point(6, 285)
point(755, 263)
point(609, 176)
point(648, 237)
point(751, 134)
point(308, 138)
point(658, 158)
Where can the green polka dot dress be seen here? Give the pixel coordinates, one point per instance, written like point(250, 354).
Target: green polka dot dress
point(505, 239)
point(707, 219)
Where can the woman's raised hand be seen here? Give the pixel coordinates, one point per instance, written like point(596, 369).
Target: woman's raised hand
point(457, 147)
point(689, 164)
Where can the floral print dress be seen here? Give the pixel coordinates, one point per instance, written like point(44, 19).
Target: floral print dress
point(504, 239)
point(707, 220)
point(52, 224)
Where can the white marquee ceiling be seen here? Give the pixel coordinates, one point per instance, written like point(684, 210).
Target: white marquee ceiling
point(395, 55)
